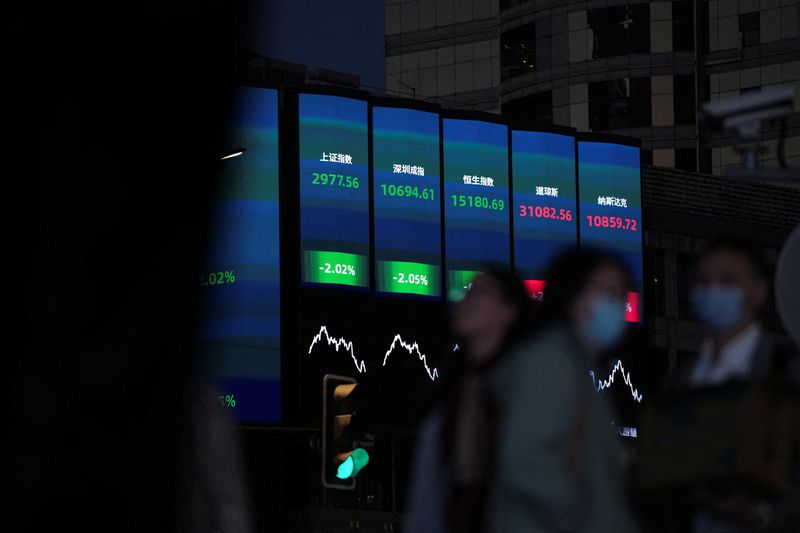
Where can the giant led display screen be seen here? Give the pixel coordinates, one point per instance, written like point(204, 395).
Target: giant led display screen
point(334, 190)
point(545, 205)
point(407, 218)
point(611, 208)
point(239, 329)
point(476, 199)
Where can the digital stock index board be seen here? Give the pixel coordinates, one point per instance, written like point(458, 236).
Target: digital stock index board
point(545, 203)
point(334, 190)
point(477, 224)
point(611, 208)
point(408, 244)
point(240, 325)
point(387, 211)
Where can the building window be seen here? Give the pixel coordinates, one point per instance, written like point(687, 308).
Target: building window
point(647, 157)
point(517, 51)
point(682, 26)
point(686, 159)
point(619, 30)
point(749, 29)
point(508, 4)
point(684, 101)
point(535, 109)
point(655, 294)
point(619, 104)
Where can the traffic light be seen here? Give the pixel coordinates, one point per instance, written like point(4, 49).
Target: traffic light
point(341, 461)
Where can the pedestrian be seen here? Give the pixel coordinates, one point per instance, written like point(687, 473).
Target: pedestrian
point(731, 286)
point(557, 461)
point(454, 448)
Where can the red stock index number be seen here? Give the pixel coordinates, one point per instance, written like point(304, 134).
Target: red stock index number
point(625, 224)
point(539, 211)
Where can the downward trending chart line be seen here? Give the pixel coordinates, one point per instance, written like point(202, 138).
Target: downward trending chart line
point(411, 348)
point(626, 377)
point(337, 343)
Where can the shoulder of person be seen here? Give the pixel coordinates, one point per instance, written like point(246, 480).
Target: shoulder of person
point(549, 351)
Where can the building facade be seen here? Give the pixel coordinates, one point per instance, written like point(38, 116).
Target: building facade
point(628, 67)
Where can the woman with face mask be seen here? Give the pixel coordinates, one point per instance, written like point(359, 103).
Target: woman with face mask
point(557, 465)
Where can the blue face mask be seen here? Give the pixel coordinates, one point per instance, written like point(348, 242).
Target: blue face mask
point(606, 323)
point(720, 307)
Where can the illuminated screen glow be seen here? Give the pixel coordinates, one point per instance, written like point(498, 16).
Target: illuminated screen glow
point(476, 199)
point(611, 208)
point(407, 213)
point(239, 329)
point(334, 190)
point(545, 203)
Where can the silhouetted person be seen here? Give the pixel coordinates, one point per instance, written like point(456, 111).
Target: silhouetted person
point(116, 114)
point(730, 288)
point(557, 462)
point(455, 450)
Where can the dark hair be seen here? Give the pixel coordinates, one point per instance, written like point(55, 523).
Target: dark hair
point(567, 277)
point(516, 294)
point(753, 255)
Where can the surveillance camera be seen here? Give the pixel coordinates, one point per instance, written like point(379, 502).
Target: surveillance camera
point(746, 112)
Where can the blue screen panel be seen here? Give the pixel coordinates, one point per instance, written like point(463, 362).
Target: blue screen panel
point(334, 191)
point(611, 208)
point(476, 199)
point(240, 325)
point(407, 214)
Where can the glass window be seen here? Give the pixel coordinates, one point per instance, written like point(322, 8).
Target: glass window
point(535, 109)
point(647, 157)
point(619, 104)
point(619, 30)
point(654, 286)
point(508, 4)
point(682, 26)
point(749, 29)
point(686, 159)
point(517, 51)
point(683, 98)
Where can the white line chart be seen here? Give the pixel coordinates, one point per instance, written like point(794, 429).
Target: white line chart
point(411, 348)
point(337, 343)
point(361, 365)
point(626, 377)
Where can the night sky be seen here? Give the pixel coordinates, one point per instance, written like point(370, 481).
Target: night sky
point(346, 36)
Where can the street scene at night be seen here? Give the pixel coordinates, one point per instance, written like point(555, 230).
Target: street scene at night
point(414, 266)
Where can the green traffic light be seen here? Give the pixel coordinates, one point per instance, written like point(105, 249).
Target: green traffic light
point(353, 464)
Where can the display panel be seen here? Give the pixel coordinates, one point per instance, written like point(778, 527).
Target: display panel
point(239, 330)
point(476, 199)
point(545, 203)
point(334, 190)
point(611, 208)
point(407, 196)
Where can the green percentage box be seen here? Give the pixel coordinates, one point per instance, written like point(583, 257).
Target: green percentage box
point(459, 283)
point(340, 268)
point(408, 278)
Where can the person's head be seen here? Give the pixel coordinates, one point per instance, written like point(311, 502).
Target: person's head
point(587, 291)
point(730, 286)
point(490, 315)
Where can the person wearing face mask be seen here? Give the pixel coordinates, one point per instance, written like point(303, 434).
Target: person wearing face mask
point(731, 285)
point(730, 288)
point(557, 464)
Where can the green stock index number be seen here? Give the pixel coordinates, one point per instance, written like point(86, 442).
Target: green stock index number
point(335, 180)
point(481, 202)
point(402, 191)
